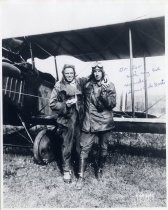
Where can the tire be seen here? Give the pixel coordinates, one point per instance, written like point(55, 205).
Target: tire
point(43, 148)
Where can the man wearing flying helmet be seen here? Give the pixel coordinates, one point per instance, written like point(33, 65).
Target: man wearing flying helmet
point(67, 101)
point(99, 102)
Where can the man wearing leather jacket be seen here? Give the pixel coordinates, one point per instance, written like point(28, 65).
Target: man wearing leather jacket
point(99, 102)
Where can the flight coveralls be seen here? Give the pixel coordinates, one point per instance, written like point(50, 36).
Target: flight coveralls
point(68, 118)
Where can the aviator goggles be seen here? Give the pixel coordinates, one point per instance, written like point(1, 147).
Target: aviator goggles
point(97, 65)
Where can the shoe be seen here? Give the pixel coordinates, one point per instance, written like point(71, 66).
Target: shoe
point(67, 177)
point(100, 175)
point(80, 183)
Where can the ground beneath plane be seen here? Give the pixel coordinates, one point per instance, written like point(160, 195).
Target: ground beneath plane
point(134, 176)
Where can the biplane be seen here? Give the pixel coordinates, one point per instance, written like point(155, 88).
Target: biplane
point(26, 90)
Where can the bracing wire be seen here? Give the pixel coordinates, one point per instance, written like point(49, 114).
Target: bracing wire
point(26, 94)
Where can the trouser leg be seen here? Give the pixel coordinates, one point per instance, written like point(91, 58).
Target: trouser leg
point(103, 146)
point(77, 134)
point(80, 181)
point(68, 141)
point(67, 146)
point(86, 142)
point(82, 165)
point(76, 149)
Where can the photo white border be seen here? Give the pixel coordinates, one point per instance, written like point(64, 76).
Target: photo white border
point(9, 17)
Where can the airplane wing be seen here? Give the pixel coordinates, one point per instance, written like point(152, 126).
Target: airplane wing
point(96, 43)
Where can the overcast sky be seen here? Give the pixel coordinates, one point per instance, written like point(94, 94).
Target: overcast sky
point(27, 17)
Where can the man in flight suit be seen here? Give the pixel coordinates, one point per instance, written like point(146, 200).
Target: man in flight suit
point(98, 118)
point(67, 101)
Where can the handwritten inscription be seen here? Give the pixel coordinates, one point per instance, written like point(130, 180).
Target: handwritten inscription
point(156, 84)
point(138, 75)
point(137, 82)
point(135, 74)
point(123, 69)
point(155, 69)
point(150, 85)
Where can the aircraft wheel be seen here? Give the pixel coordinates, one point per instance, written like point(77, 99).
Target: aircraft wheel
point(43, 147)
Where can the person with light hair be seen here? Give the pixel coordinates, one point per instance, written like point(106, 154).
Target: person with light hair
point(67, 102)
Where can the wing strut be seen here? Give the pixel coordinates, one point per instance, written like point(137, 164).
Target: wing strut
point(131, 72)
point(32, 57)
point(56, 68)
point(24, 125)
point(146, 89)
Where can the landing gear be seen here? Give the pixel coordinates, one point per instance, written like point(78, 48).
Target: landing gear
point(44, 147)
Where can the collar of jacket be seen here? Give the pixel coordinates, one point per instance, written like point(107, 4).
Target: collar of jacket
point(92, 82)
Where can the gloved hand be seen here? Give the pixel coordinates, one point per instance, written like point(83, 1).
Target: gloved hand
point(105, 82)
point(72, 101)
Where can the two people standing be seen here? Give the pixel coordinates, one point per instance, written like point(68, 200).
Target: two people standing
point(93, 101)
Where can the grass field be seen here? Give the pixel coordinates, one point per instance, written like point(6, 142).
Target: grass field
point(134, 176)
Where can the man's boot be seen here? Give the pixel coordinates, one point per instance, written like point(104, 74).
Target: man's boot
point(101, 164)
point(67, 176)
point(80, 181)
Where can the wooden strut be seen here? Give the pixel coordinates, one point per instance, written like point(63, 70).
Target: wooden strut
point(32, 57)
point(131, 72)
point(126, 102)
point(146, 89)
point(15, 89)
point(22, 98)
point(14, 145)
point(24, 125)
point(20, 92)
point(10, 88)
point(6, 86)
point(56, 68)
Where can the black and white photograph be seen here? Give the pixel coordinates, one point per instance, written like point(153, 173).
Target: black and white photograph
point(83, 112)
